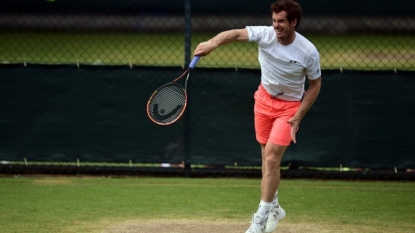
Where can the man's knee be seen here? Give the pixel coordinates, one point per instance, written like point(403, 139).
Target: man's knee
point(272, 161)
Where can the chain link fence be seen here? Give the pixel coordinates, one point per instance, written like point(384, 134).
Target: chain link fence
point(357, 35)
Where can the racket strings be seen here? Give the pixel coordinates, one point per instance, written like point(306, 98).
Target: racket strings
point(167, 104)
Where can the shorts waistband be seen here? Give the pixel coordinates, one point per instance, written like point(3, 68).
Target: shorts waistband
point(262, 89)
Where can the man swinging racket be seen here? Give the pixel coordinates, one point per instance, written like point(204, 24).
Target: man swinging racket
point(286, 59)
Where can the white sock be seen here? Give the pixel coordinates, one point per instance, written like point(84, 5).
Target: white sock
point(264, 208)
point(275, 200)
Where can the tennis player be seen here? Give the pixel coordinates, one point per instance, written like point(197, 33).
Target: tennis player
point(287, 59)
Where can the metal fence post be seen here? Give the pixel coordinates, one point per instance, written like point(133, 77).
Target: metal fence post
point(187, 54)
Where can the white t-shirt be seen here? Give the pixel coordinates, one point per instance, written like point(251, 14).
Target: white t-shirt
point(284, 67)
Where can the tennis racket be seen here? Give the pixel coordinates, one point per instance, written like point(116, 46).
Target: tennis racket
point(168, 103)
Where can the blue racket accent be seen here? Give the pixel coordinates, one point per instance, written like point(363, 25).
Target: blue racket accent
point(194, 62)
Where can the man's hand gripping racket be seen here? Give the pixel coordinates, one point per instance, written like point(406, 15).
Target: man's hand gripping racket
point(168, 103)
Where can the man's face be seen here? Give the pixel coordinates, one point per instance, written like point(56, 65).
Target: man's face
point(284, 29)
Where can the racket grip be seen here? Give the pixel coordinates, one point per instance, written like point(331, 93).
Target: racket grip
point(194, 61)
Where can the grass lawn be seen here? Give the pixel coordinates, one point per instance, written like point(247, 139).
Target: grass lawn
point(57, 204)
point(355, 51)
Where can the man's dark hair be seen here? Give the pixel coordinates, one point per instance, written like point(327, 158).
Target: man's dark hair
point(292, 8)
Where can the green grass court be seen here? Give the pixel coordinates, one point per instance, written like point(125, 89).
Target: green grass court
point(93, 204)
point(354, 51)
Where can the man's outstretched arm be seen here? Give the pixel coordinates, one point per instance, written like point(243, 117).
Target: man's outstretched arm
point(222, 38)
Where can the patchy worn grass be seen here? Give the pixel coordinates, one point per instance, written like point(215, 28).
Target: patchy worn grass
point(58, 204)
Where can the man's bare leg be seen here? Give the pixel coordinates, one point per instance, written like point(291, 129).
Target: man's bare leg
point(271, 158)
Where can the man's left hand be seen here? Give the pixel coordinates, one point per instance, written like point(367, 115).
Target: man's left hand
point(295, 124)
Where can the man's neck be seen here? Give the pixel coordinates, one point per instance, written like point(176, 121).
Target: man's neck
point(287, 40)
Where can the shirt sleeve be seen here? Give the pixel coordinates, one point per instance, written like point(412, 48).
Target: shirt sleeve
point(259, 33)
point(313, 65)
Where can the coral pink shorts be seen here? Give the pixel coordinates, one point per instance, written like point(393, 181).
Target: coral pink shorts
point(271, 117)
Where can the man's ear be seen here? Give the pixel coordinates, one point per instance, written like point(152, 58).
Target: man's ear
point(294, 22)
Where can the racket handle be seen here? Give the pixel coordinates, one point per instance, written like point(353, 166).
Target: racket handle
point(194, 61)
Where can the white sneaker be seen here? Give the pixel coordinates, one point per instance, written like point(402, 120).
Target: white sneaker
point(276, 215)
point(258, 224)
